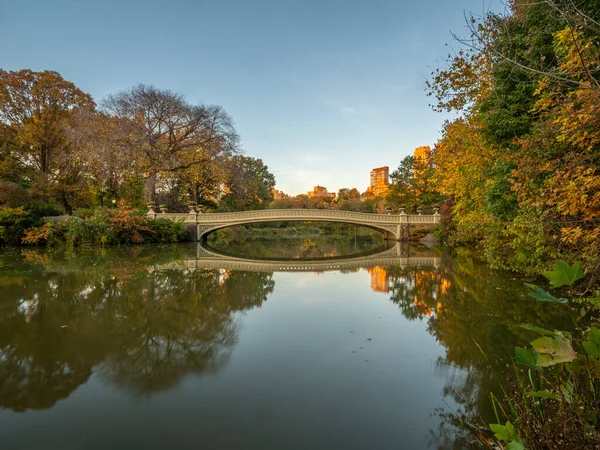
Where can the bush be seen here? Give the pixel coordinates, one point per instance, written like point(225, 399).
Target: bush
point(13, 222)
point(39, 208)
point(165, 231)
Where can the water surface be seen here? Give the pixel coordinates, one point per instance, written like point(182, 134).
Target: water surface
point(137, 348)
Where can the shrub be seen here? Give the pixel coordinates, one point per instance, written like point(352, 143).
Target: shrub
point(38, 235)
point(165, 231)
point(39, 208)
point(13, 222)
point(128, 225)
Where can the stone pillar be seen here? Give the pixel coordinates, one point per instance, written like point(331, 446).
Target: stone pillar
point(403, 231)
point(151, 213)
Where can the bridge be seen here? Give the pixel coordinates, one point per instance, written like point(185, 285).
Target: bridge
point(398, 255)
point(393, 226)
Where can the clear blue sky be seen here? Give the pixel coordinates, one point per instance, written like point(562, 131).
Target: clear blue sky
point(322, 90)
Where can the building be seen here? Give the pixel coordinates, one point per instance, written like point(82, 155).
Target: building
point(320, 192)
point(380, 181)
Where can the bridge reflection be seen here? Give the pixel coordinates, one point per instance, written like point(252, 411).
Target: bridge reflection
point(400, 255)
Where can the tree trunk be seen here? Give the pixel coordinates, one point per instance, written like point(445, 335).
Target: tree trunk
point(149, 192)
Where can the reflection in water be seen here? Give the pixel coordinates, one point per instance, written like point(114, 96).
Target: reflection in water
point(142, 319)
point(144, 329)
point(380, 281)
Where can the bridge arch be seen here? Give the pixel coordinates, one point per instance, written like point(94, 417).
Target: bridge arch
point(389, 232)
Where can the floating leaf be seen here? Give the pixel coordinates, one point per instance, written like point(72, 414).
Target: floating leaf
point(541, 394)
point(563, 274)
point(527, 358)
point(592, 343)
point(542, 295)
point(553, 350)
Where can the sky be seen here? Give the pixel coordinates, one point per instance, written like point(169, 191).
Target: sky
point(322, 91)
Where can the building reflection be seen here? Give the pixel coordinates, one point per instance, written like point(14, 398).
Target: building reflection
point(380, 281)
point(425, 287)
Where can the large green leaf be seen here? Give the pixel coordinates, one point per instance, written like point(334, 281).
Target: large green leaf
point(592, 344)
point(563, 274)
point(553, 350)
point(515, 445)
point(527, 358)
point(542, 295)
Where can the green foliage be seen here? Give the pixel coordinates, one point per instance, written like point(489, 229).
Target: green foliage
point(563, 274)
point(520, 245)
point(592, 344)
point(412, 186)
point(166, 231)
point(507, 433)
point(563, 372)
point(542, 295)
point(13, 222)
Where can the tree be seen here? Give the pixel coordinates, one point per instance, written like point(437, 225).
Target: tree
point(412, 185)
point(172, 134)
point(35, 110)
point(104, 144)
point(348, 194)
point(35, 106)
point(250, 185)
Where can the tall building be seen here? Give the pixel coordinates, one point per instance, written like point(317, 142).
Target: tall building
point(380, 176)
point(380, 181)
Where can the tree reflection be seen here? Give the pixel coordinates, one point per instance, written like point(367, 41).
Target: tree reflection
point(113, 312)
point(476, 315)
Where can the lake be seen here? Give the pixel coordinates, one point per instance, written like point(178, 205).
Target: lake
point(295, 345)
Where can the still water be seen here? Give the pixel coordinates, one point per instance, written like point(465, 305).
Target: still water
point(168, 348)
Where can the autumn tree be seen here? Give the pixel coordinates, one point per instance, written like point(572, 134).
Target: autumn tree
point(172, 134)
point(35, 110)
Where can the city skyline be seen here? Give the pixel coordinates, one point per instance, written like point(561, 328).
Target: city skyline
point(320, 91)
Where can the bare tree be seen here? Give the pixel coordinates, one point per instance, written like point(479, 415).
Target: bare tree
point(172, 134)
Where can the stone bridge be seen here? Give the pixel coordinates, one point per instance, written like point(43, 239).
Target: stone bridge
point(393, 226)
point(398, 255)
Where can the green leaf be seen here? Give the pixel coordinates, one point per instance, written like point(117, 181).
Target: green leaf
point(563, 274)
point(543, 296)
point(505, 432)
point(515, 445)
point(527, 358)
point(553, 350)
point(592, 344)
point(541, 394)
point(567, 391)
